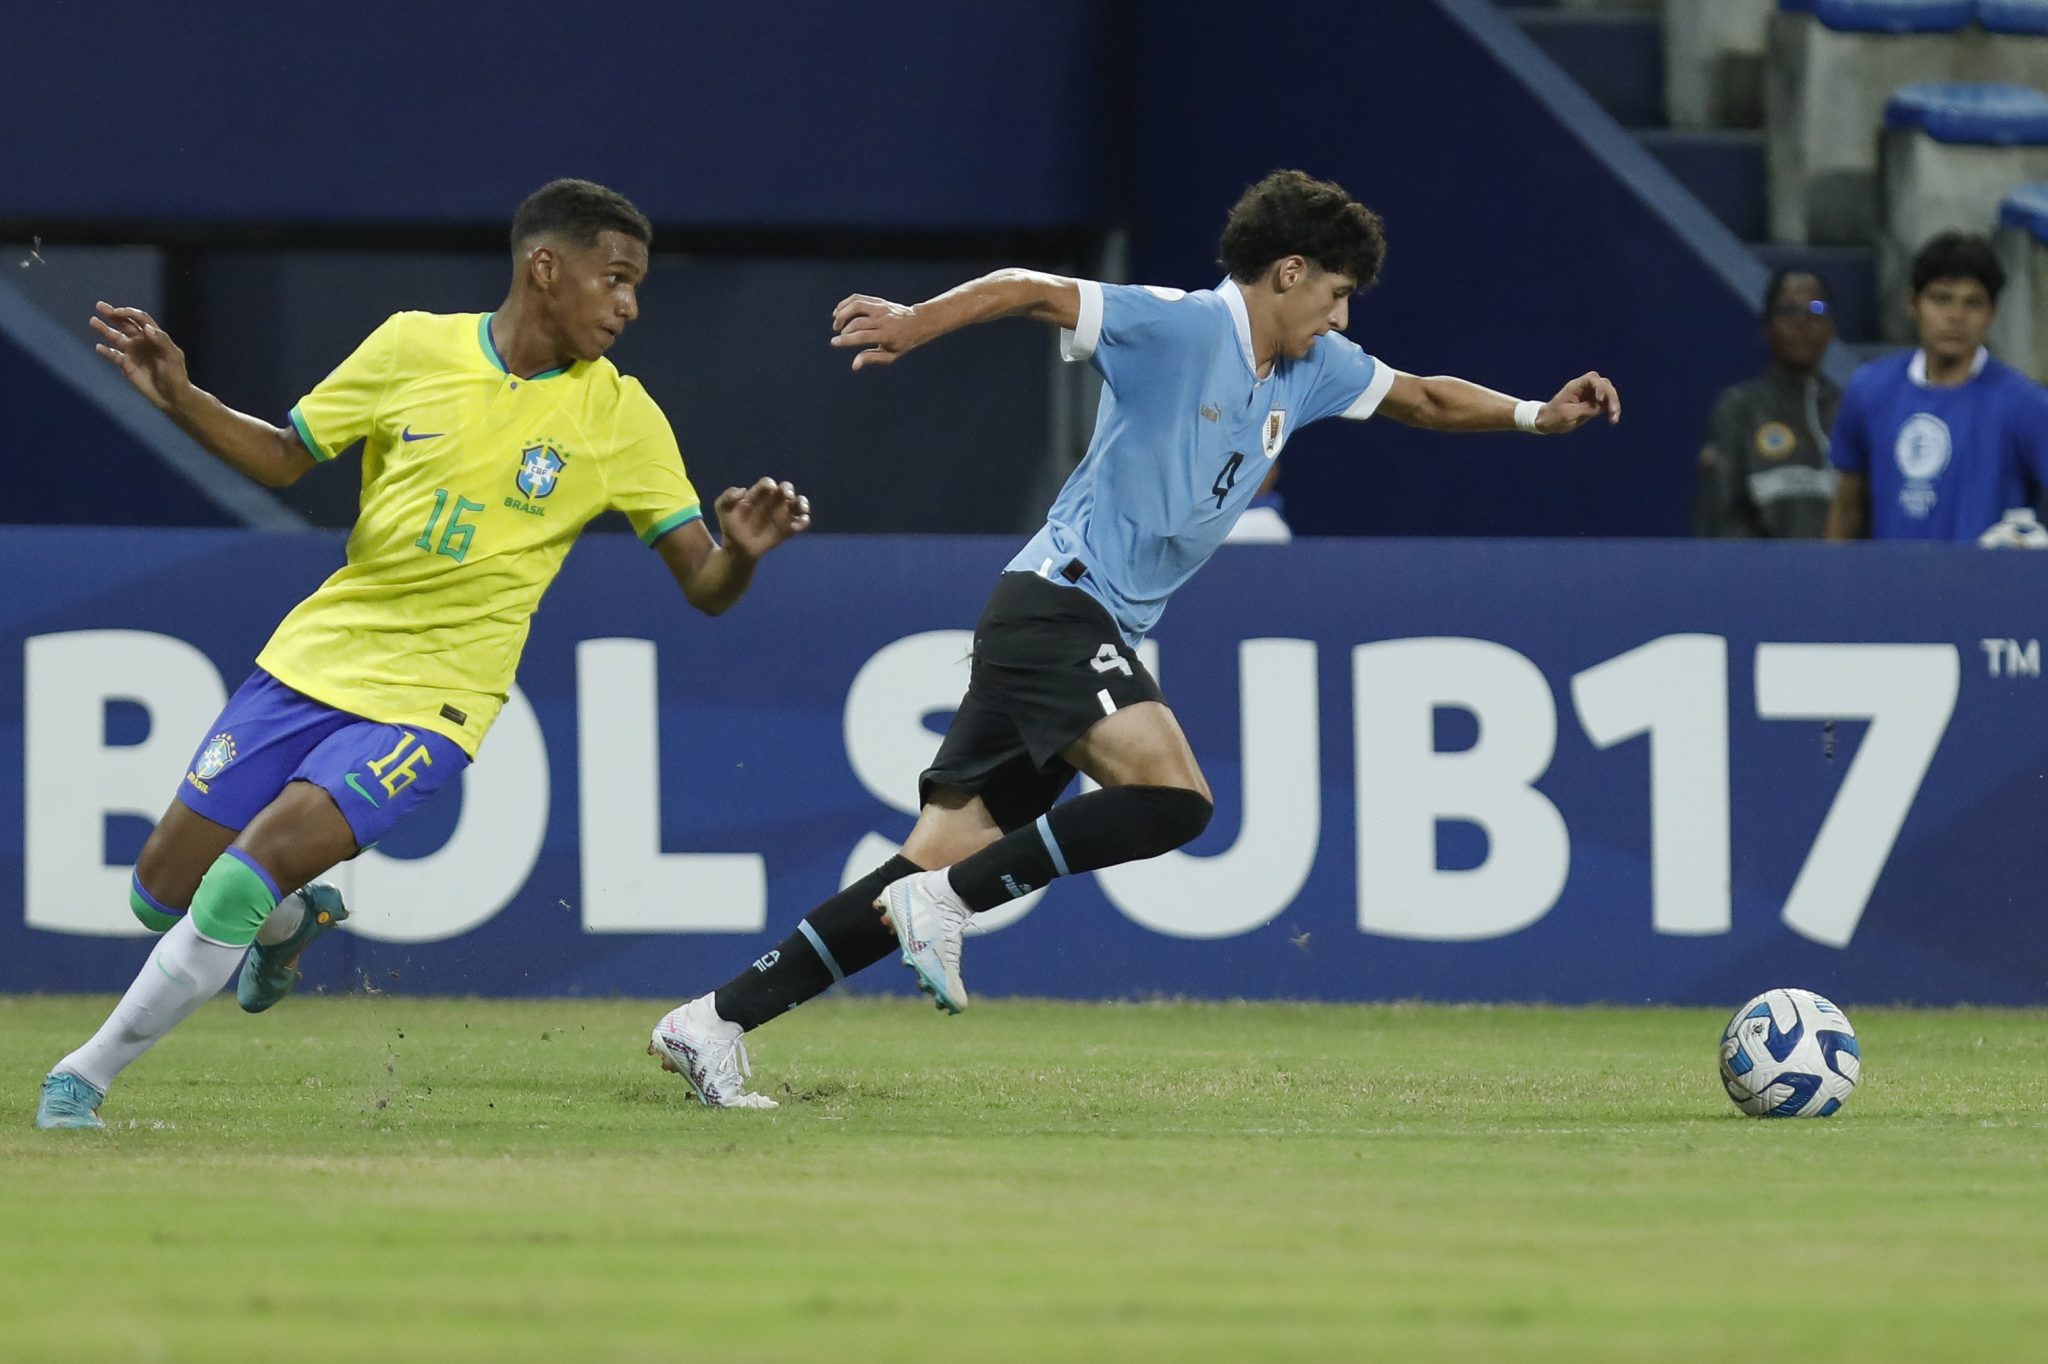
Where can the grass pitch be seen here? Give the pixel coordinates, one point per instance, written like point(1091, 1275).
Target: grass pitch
point(389, 1179)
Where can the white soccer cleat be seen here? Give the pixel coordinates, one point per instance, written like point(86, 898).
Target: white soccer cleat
point(929, 921)
point(709, 1053)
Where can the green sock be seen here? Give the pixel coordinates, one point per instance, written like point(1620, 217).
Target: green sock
point(233, 900)
point(156, 916)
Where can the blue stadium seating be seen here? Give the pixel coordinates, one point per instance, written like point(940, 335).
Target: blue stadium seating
point(1982, 113)
point(1950, 153)
point(2019, 330)
point(2026, 208)
point(1888, 16)
point(2014, 16)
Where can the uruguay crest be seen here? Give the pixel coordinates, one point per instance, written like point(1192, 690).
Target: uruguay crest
point(1274, 433)
point(539, 467)
point(218, 753)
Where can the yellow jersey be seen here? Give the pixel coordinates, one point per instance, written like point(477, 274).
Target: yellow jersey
point(475, 484)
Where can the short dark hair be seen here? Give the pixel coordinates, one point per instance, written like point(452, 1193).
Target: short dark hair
point(1957, 255)
point(1289, 213)
point(578, 210)
point(1785, 275)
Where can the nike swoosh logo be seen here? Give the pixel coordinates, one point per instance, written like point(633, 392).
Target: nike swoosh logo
point(357, 787)
point(409, 434)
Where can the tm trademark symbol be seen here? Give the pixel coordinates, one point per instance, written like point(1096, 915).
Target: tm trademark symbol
point(2011, 657)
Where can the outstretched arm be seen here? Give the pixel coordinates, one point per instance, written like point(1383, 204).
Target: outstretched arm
point(754, 521)
point(1443, 403)
point(150, 360)
point(879, 330)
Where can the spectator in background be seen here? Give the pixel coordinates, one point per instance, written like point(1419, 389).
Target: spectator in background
point(1764, 471)
point(1941, 443)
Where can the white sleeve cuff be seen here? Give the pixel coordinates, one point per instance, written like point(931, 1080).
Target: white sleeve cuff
point(1375, 393)
point(1080, 343)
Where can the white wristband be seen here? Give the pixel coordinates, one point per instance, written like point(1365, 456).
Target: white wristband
point(1525, 416)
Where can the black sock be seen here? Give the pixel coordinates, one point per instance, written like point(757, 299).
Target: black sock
point(851, 934)
point(1100, 829)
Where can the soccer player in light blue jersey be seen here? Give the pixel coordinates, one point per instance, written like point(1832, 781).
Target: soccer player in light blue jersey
point(1943, 442)
point(1201, 391)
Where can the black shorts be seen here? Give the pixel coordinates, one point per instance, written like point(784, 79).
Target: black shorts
point(1048, 663)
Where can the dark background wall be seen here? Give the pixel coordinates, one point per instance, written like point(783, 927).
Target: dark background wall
point(798, 115)
point(306, 172)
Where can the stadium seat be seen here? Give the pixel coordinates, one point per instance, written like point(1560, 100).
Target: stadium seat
point(2025, 17)
point(2019, 334)
point(2011, 43)
point(1832, 65)
point(1950, 153)
point(1714, 63)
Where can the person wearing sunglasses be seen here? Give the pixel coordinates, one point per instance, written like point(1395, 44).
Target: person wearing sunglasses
point(1764, 472)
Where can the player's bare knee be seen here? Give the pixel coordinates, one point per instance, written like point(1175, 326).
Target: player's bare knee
point(953, 825)
point(299, 835)
point(943, 847)
point(165, 876)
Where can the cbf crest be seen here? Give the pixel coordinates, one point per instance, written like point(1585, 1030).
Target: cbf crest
point(218, 753)
point(539, 468)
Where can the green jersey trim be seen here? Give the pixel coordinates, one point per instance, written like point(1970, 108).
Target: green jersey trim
point(669, 523)
point(313, 447)
point(490, 348)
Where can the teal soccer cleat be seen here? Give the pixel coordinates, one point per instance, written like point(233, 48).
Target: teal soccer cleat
point(268, 973)
point(68, 1102)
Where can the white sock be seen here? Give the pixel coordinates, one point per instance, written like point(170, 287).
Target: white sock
point(283, 921)
point(182, 973)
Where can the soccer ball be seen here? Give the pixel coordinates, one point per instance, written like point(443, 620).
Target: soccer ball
point(1789, 1054)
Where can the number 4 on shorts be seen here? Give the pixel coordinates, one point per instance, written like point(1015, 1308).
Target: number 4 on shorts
point(1107, 659)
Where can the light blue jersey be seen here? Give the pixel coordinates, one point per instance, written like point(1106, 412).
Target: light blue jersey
point(1184, 436)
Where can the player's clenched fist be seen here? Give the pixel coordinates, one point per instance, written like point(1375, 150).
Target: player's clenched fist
point(880, 329)
point(1578, 402)
point(759, 518)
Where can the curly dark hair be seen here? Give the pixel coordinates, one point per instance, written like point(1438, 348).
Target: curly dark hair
point(1957, 255)
point(578, 210)
point(1290, 213)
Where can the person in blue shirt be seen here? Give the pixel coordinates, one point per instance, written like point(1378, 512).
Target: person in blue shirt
point(1942, 442)
point(1201, 390)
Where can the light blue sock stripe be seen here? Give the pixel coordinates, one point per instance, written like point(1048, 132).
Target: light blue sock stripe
point(818, 945)
point(1052, 846)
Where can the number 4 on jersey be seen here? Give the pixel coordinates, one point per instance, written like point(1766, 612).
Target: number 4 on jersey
point(1226, 479)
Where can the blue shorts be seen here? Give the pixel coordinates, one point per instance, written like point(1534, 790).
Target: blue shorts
point(270, 736)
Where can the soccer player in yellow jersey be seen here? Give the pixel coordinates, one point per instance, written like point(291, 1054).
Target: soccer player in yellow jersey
point(489, 442)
